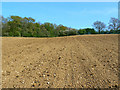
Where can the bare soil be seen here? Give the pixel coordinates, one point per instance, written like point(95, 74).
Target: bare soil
point(86, 61)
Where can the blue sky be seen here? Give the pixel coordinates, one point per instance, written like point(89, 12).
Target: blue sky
point(71, 14)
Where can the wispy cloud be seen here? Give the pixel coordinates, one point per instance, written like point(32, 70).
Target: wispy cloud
point(106, 11)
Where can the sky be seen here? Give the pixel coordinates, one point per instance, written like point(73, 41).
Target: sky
point(71, 14)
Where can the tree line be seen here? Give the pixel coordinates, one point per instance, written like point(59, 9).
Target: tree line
point(17, 26)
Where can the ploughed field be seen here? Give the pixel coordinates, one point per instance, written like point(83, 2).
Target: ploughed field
point(86, 61)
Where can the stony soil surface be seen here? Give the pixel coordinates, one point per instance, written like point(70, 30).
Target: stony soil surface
point(87, 61)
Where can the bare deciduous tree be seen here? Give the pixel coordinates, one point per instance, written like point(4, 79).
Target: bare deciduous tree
point(114, 24)
point(99, 25)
